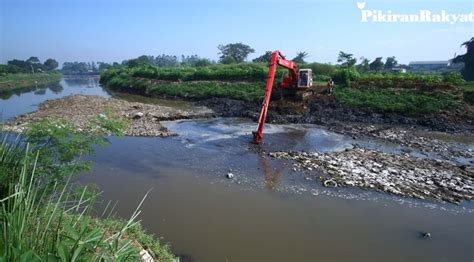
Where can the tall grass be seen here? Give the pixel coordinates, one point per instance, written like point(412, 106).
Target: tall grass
point(38, 225)
point(45, 218)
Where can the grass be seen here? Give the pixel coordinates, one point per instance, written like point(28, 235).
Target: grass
point(15, 82)
point(398, 101)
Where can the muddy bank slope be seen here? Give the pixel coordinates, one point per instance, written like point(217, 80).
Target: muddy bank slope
point(327, 111)
point(142, 119)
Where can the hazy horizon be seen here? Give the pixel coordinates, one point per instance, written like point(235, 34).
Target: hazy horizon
point(113, 31)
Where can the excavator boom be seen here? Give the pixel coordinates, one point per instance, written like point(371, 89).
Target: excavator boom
point(277, 59)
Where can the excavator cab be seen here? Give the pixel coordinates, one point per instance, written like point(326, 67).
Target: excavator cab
point(305, 78)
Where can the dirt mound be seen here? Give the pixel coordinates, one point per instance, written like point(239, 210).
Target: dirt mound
point(143, 119)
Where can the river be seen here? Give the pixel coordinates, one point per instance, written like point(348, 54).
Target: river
point(267, 212)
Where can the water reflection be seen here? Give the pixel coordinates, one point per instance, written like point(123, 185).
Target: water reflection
point(13, 103)
point(82, 81)
point(56, 88)
point(271, 176)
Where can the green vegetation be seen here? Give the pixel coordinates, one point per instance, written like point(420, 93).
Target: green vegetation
point(234, 72)
point(10, 83)
point(234, 53)
point(31, 65)
point(400, 101)
point(370, 84)
point(248, 91)
point(238, 81)
point(45, 218)
point(468, 92)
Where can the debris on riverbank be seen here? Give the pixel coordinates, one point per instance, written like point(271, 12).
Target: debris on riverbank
point(423, 141)
point(397, 174)
point(143, 119)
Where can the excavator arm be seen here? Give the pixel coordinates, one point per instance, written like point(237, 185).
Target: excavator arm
point(277, 59)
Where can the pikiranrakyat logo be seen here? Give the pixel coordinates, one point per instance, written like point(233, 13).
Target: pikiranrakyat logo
point(422, 16)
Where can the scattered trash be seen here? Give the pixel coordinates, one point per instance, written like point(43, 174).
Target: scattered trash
point(229, 175)
point(138, 115)
point(426, 234)
point(330, 183)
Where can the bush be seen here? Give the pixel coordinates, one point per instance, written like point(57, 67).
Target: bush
point(233, 72)
point(454, 78)
point(344, 76)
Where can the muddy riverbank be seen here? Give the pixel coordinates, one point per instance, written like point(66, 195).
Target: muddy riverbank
point(396, 174)
point(327, 111)
point(142, 119)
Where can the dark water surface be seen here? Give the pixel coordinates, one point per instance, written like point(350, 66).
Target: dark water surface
point(267, 212)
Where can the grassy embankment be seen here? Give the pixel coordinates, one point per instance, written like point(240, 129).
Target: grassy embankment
point(243, 81)
point(404, 93)
point(408, 94)
point(45, 218)
point(15, 82)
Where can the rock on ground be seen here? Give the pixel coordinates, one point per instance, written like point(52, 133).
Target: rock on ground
point(143, 119)
point(397, 174)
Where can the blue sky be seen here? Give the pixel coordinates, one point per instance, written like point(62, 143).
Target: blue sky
point(106, 30)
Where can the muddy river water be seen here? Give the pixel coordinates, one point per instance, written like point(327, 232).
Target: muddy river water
point(268, 211)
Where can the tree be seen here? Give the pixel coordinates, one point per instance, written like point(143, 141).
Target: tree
point(18, 66)
point(468, 60)
point(234, 53)
point(74, 68)
point(50, 64)
point(364, 65)
point(300, 56)
point(195, 60)
point(166, 60)
point(346, 59)
point(33, 60)
point(390, 62)
point(265, 58)
point(377, 64)
point(141, 60)
point(103, 66)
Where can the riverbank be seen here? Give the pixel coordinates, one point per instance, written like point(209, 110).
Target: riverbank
point(141, 119)
point(413, 139)
point(402, 175)
point(11, 83)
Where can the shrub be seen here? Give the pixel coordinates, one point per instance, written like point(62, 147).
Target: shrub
point(454, 78)
point(344, 76)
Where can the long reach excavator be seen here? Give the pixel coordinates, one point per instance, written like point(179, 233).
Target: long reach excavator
point(297, 83)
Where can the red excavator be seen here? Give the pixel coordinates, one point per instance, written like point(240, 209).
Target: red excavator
point(297, 84)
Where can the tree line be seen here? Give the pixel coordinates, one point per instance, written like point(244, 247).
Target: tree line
point(228, 54)
point(30, 65)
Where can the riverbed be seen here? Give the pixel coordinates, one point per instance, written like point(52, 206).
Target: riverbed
point(267, 211)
